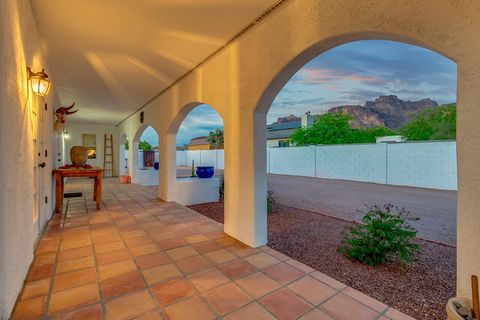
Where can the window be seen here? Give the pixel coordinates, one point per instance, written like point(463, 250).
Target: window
point(283, 143)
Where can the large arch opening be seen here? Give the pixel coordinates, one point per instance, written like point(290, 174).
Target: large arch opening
point(366, 123)
point(145, 160)
point(382, 87)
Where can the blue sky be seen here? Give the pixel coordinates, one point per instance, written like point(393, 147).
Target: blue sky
point(348, 74)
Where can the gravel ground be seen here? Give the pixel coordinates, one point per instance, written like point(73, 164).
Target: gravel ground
point(420, 289)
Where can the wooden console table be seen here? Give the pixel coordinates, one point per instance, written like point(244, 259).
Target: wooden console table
point(60, 174)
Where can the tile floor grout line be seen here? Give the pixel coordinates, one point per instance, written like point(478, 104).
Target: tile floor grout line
point(147, 287)
point(54, 269)
point(102, 299)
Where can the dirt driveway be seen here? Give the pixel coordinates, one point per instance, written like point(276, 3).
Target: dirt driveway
point(435, 208)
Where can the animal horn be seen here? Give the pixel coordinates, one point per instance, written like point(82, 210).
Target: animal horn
point(70, 107)
point(72, 112)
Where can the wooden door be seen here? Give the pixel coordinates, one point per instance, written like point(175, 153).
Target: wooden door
point(39, 165)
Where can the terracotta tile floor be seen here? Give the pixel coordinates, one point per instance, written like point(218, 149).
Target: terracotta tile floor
point(140, 258)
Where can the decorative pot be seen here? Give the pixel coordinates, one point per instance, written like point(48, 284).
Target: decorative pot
point(79, 156)
point(205, 171)
point(125, 179)
point(452, 310)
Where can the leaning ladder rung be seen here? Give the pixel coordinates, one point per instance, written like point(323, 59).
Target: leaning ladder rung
point(108, 165)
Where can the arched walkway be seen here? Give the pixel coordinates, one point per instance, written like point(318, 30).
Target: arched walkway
point(244, 77)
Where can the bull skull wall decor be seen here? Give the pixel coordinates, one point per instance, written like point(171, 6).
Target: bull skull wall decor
point(61, 114)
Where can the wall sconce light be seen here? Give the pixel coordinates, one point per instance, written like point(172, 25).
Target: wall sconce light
point(39, 82)
point(66, 135)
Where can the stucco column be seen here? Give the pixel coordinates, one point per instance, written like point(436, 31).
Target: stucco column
point(245, 179)
point(468, 159)
point(133, 161)
point(167, 169)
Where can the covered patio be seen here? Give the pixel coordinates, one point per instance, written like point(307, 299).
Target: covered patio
point(132, 64)
point(142, 258)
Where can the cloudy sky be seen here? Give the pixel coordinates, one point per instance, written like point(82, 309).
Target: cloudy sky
point(348, 74)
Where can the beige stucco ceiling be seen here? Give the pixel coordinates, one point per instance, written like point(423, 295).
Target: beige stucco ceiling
point(112, 56)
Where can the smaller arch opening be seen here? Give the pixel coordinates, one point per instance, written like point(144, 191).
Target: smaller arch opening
point(199, 147)
point(145, 164)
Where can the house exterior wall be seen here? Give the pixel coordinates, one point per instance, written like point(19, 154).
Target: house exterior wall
point(255, 66)
point(76, 132)
point(275, 143)
point(199, 147)
point(20, 47)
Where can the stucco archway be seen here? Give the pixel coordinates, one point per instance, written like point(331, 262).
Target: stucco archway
point(247, 73)
point(168, 153)
point(284, 75)
point(139, 174)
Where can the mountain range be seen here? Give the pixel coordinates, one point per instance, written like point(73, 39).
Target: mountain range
point(388, 111)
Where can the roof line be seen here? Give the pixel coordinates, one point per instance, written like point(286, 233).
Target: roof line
point(210, 56)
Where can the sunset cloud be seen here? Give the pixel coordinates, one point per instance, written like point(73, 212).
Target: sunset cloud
point(309, 75)
point(349, 74)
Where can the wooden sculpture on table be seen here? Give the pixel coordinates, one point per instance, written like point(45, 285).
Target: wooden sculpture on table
point(61, 114)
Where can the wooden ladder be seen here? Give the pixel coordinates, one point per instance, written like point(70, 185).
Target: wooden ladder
point(108, 163)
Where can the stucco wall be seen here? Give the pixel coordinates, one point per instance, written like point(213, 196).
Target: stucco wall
point(242, 80)
point(76, 132)
point(20, 47)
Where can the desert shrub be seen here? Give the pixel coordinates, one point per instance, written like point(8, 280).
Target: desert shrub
point(270, 202)
point(221, 190)
point(384, 233)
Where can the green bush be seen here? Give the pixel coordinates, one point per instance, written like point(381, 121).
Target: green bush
point(270, 202)
point(221, 189)
point(384, 233)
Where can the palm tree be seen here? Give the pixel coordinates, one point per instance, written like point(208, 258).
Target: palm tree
point(215, 138)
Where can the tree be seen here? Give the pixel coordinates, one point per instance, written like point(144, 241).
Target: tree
point(432, 124)
point(334, 128)
point(215, 139)
point(144, 145)
point(126, 145)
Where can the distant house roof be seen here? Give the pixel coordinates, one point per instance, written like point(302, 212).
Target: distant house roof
point(280, 134)
point(198, 141)
point(295, 124)
point(283, 128)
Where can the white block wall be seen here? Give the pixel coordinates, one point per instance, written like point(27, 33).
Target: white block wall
point(220, 159)
point(416, 164)
point(427, 164)
point(201, 157)
point(361, 162)
point(182, 158)
point(298, 161)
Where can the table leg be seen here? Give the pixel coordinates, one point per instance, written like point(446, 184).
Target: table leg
point(62, 191)
point(95, 189)
point(98, 191)
point(58, 193)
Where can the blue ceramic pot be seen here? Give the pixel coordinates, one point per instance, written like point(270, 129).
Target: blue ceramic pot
point(205, 171)
point(155, 165)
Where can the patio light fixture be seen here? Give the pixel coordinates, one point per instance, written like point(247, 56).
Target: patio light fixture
point(39, 82)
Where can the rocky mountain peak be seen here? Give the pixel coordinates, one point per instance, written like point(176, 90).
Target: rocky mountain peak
point(389, 111)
